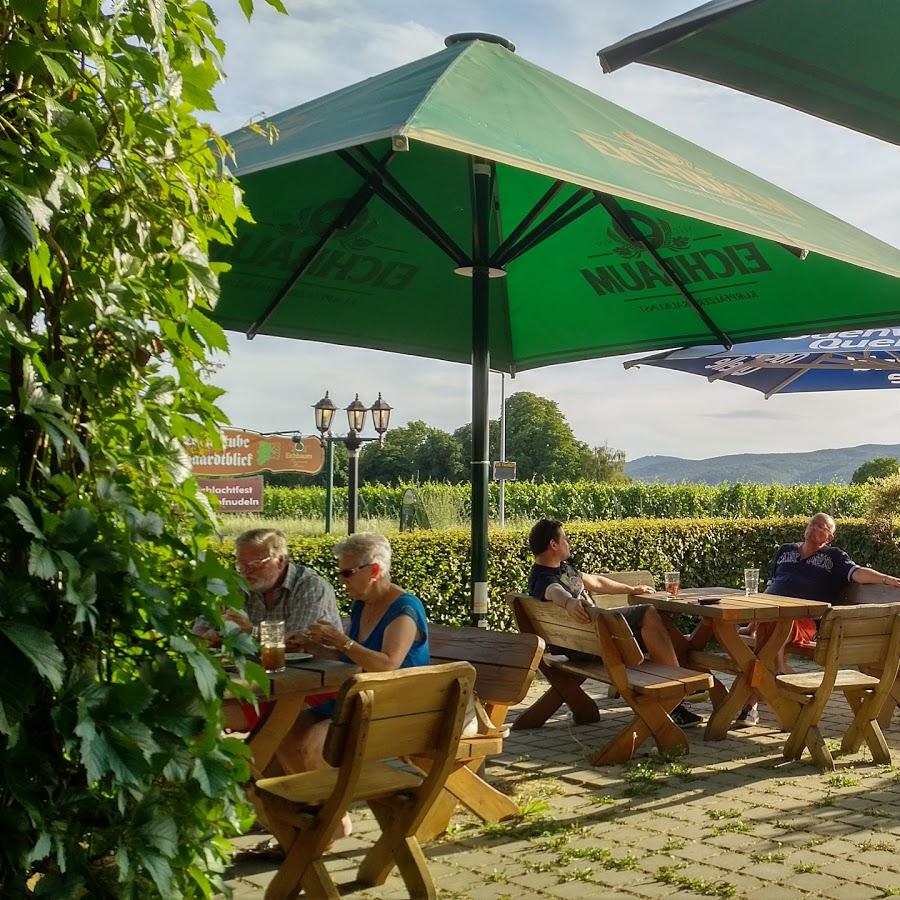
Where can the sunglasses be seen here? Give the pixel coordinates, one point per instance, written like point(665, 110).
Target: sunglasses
point(346, 573)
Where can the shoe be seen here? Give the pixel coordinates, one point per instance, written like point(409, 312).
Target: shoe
point(269, 849)
point(684, 718)
point(748, 716)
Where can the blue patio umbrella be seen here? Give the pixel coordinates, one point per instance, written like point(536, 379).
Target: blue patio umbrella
point(839, 361)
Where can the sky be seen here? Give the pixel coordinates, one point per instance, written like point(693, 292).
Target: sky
point(275, 62)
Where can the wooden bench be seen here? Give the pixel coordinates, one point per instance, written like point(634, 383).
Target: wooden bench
point(858, 635)
point(505, 664)
point(380, 716)
point(650, 689)
point(852, 595)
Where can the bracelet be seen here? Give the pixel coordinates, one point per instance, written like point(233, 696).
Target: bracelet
point(349, 643)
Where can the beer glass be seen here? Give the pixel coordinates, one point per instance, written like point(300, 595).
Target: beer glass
point(751, 581)
point(271, 645)
point(673, 582)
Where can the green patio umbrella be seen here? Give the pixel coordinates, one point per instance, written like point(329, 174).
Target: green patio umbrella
point(835, 59)
point(472, 206)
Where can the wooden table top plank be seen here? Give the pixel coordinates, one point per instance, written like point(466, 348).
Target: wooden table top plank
point(309, 677)
point(732, 606)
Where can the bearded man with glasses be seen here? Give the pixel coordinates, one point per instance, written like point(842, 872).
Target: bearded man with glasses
point(280, 589)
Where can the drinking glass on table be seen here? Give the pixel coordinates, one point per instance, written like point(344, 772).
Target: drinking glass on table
point(271, 645)
point(672, 582)
point(751, 581)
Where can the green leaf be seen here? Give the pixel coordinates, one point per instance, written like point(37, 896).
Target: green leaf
point(23, 514)
point(94, 750)
point(17, 231)
point(157, 10)
point(212, 777)
point(160, 832)
point(41, 849)
point(159, 869)
point(41, 562)
point(247, 8)
point(205, 672)
point(79, 134)
point(38, 645)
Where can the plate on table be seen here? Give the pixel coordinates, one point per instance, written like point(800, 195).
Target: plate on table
point(296, 657)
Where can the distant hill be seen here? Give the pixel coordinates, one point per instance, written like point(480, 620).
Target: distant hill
point(815, 467)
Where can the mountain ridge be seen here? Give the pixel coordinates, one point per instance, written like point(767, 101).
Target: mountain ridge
point(835, 464)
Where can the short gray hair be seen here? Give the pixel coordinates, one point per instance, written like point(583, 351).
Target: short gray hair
point(272, 539)
point(367, 547)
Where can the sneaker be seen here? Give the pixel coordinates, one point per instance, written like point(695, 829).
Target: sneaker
point(748, 716)
point(684, 718)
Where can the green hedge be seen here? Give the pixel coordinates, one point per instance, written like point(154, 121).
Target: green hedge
point(435, 564)
point(590, 500)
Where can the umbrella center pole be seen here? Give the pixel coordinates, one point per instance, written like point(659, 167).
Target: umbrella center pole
point(482, 187)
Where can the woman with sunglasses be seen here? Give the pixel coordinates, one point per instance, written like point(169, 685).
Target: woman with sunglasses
point(388, 630)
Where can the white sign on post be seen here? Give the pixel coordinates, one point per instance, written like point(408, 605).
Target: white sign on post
point(504, 471)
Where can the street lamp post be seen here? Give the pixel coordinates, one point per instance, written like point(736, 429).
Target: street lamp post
point(353, 440)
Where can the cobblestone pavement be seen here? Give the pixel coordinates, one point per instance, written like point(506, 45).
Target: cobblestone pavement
point(730, 819)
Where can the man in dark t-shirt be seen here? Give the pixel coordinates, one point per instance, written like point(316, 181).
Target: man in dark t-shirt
point(811, 570)
point(553, 579)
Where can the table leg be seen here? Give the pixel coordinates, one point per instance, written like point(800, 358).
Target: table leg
point(757, 676)
point(266, 740)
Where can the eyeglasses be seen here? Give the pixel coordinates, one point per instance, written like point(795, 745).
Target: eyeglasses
point(255, 563)
point(346, 573)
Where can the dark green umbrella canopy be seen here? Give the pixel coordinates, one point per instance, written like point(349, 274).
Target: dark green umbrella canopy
point(472, 206)
point(835, 59)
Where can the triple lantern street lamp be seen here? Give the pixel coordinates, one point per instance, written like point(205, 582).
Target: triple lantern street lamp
point(353, 440)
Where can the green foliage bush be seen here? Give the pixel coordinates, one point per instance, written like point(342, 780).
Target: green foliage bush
point(115, 779)
point(435, 565)
point(590, 500)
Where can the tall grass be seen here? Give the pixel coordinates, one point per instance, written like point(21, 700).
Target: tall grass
point(230, 526)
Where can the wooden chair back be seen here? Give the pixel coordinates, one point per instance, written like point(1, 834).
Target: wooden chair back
point(607, 635)
point(866, 635)
point(552, 623)
point(855, 594)
point(410, 712)
point(610, 601)
point(504, 662)
point(621, 635)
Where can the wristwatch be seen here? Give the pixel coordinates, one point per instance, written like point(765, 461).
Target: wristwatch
point(347, 645)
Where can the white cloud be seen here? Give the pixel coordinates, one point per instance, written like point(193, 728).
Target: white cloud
point(276, 62)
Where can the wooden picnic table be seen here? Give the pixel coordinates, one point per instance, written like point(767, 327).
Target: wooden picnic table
point(754, 669)
point(289, 690)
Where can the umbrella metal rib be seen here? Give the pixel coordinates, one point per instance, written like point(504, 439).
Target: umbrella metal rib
point(533, 237)
point(405, 206)
point(623, 220)
point(530, 216)
point(345, 219)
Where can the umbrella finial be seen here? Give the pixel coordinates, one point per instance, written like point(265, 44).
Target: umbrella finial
point(463, 37)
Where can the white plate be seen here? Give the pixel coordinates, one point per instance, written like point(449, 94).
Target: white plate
point(296, 657)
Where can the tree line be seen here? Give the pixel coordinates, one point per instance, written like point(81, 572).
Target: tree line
point(538, 439)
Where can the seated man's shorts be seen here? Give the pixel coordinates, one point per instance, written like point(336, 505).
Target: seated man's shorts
point(634, 616)
point(803, 631)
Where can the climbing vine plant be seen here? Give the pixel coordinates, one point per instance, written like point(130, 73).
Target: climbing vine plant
point(115, 779)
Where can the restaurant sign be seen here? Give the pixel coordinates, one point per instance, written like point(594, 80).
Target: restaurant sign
point(236, 495)
point(249, 453)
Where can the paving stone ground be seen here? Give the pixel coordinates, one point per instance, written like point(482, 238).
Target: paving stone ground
point(730, 819)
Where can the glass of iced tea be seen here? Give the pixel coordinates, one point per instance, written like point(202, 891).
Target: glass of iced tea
point(271, 645)
point(673, 582)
